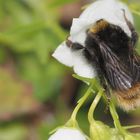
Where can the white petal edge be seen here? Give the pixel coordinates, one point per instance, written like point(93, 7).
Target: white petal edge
point(64, 54)
point(78, 30)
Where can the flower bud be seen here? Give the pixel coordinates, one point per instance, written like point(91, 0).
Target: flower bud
point(100, 131)
point(66, 133)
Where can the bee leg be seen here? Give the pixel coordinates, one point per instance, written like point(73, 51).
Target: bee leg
point(106, 88)
point(108, 95)
point(134, 35)
point(77, 46)
point(107, 91)
point(74, 45)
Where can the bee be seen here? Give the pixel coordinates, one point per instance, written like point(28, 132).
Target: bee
point(112, 52)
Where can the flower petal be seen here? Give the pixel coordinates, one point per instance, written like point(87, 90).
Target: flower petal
point(74, 59)
point(82, 67)
point(68, 134)
point(110, 10)
point(64, 54)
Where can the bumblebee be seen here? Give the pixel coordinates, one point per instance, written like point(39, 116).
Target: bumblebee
point(112, 52)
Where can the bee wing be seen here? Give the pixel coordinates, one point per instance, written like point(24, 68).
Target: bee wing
point(135, 66)
point(117, 74)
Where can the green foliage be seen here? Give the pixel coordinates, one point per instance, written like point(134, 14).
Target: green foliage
point(98, 130)
point(29, 33)
point(13, 132)
point(12, 91)
point(57, 3)
point(30, 30)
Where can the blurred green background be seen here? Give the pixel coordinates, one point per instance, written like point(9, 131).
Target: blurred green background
point(36, 92)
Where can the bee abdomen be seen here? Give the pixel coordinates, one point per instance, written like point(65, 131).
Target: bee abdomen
point(129, 99)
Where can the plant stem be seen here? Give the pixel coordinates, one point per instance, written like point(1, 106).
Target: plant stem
point(80, 103)
point(131, 126)
point(93, 105)
point(116, 118)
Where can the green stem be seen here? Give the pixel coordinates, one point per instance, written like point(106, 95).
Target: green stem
point(116, 118)
point(93, 105)
point(80, 103)
point(131, 126)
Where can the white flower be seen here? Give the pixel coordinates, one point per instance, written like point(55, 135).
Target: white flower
point(68, 134)
point(111, 11)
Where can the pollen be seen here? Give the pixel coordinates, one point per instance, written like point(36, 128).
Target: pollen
point(100, 25)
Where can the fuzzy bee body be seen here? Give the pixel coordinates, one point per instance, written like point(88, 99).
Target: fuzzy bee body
point(112, 52)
